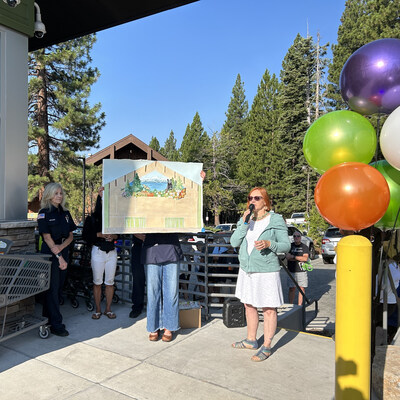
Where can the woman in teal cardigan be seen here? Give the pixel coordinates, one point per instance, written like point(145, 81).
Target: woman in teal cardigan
point(259, 286)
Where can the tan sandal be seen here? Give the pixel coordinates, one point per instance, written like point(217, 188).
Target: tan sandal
point(96, 315)
point(153, 337)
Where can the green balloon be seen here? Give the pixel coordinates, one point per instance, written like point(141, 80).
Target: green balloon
point(392, 176)
point(338, 137)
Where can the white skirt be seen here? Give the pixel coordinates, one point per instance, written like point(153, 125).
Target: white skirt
point(259, 289)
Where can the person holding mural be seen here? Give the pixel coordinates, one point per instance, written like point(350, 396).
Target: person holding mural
point(297, 255)
point(103, 260)
point(259, 286)
point(161, 256)
point(55, 226)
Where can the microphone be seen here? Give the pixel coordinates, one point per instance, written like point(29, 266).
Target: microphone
point(251, 208)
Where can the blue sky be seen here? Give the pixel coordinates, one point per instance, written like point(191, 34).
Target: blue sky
point(158, 71)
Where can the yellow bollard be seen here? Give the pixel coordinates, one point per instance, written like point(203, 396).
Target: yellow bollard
point(353, 318)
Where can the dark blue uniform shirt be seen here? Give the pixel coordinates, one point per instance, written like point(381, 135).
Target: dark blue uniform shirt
point(57, 222)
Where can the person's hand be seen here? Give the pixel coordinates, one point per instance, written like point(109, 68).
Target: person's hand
point(246, 213)
point(56, 249)
point(202, 175)
point(262, 244)
point(63, 264)
point(100, 192)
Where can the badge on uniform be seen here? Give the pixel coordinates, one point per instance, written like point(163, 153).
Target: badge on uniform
point(40, 216)
point(67, 218)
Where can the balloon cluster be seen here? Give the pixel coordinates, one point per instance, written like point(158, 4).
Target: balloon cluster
point(351, 194)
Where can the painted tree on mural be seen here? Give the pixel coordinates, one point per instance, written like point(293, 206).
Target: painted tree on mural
point(61, 120)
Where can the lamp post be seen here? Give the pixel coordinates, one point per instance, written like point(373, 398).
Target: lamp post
point(84, 185)
point(306, 168)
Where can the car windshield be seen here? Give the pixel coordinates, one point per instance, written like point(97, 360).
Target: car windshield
point(223, 227)
point(298, 215)
point(333, 233)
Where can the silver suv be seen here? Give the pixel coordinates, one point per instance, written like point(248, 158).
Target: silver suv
point(329, 243)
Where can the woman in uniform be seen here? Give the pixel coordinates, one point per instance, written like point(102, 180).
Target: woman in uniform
point(56, 226)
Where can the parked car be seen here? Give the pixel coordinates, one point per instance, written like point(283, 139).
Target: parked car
point(297, 218)
point(226, 227)
point(78, 230)
point(329, 242)
point(304, 239)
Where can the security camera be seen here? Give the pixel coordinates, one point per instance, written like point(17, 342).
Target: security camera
point(40, 29)
point(12, 3)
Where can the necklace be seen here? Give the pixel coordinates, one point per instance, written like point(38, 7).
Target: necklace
point(263, 216)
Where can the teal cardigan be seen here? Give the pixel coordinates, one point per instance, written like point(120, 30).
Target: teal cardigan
point(265, 260)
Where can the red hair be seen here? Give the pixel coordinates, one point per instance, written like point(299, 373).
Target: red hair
point(264, 195)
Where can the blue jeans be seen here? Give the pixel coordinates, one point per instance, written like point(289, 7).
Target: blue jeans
point(162, 296)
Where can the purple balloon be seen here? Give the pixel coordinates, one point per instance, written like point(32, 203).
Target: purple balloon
point(370, 78)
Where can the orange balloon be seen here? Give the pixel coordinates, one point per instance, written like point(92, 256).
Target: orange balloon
point(352, 196)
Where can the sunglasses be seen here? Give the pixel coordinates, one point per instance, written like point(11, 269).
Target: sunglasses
point(256, 198)
point(296, 236)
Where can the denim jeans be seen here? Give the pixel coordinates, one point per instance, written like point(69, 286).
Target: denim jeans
point(162, 296)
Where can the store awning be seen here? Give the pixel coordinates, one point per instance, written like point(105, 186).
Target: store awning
point(69, 19)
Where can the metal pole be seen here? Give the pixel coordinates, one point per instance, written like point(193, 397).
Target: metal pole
point(308, 190)
point(84, 185)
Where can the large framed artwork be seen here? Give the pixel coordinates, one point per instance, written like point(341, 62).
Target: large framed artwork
point(146, 196)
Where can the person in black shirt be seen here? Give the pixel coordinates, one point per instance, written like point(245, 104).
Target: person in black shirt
point(103, 261)
point(55, 226)
point(297, 255)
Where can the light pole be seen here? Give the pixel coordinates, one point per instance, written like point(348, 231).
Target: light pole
point(84, 185)
point(306, 168)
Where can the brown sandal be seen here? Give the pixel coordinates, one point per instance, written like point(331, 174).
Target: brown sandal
point(110, 314)
point(96, 315)
point(166, 337)
point(153, 337)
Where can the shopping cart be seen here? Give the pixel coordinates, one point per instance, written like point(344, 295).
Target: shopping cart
point(22, 276)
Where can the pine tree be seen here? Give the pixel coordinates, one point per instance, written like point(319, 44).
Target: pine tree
point(169, 149)
point(195, 143)
point(154, 143)
point(363, 21)
point(298, 69)
point(233, 130)
point(255, 151)
point(61, 121)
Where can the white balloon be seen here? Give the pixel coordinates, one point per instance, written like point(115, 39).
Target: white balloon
point(390, 139)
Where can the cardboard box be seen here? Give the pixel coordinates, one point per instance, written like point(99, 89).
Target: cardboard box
point(190, 318)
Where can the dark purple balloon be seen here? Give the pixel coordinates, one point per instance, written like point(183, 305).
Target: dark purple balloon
point(370, 78)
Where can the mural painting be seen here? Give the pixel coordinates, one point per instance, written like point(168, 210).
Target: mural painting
point(145, 196)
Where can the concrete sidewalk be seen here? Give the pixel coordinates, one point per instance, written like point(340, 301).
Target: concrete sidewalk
point(113, 359)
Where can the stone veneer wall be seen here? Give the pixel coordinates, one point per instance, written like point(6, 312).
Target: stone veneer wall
point(22, 233)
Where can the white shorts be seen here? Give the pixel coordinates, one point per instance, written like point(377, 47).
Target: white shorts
point(300, 277)
point(103, 263)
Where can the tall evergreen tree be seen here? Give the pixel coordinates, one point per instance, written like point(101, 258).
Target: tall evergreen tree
point(61, 120)
point(255, 152)
point(298, 69)
point(154, 144)
point(363, 21)
point(169, 149)
point(233, 130)
point(195, 143)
